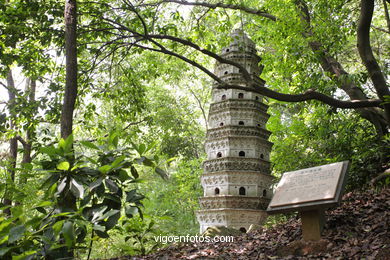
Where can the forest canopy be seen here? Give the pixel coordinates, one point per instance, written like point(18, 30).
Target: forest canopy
point(104, 109)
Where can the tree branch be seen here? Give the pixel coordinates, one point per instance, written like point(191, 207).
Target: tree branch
point(366, 54)
point(306, 96)
point(225, 6)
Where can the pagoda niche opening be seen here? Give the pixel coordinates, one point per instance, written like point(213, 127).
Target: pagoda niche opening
point(240, 95)
point(257, 98)
point(242, 191)
point(262, 156)
point(223, 97)
point(243, 230)
point(226, 72)
point(241, 154)
point(241, 123)
point(264, 193)
point(219, 155)
point(216, 191)
point(221, 124)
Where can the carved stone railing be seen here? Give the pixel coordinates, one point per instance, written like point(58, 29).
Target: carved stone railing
point(237, 202)
point(236, 164)
point(238, 104)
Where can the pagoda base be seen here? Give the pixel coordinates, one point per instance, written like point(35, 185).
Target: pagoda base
point(240, 219)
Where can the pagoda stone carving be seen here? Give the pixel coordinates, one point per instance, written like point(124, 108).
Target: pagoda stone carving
point(236, 178)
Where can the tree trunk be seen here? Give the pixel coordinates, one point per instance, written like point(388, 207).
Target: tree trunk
point(71, 68)
point(13, 143)
point(67, 202)
point(30, 132)
point(367, 56)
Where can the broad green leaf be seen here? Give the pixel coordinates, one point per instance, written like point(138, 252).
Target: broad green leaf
point(111, 185)
point(25, 255)
point(131, 211)
point(89, 145)
point(104, 169)
point(96, 183)
point(117, 161)
point(141, 149)
point(64, 166)
point(77, 189)
point(62, 185)
point(68, 233)
point(50, 150)
point(53, 178)
point(57, 227)
point(112, 220)
point(134, 172)
point(162, 173)
point(16, 233)
point(99, 228)
point(4, 250)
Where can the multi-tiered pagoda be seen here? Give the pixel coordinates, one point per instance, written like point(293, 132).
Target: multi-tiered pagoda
point(236, 179)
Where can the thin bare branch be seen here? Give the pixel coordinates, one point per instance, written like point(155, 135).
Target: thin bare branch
point(224, 6)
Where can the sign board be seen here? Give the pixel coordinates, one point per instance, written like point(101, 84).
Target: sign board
point(311, 188)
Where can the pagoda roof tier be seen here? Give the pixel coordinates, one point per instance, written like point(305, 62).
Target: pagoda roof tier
point(234, 130)
point(236, 202)
point(242, 110)
point(238, 78)
point(236, 164)
point(223, 105)
point(239, 55)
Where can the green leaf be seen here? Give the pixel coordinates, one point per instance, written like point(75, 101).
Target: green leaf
point(123, 176)
point(16, 233)
point(68, 233)
point(68, 143)
point(110, 213)
point(162, 173)
point(58, 226)
point(145, 161)
point(104, 169)
point(64, 166)
point(113, 139)
point(96, 183)
point(99, 228)
point(53, 178)
point(89, 145)
point(111, 185)
point(131, 211)
point(62, 185)
point(50, 150)
point(117, 161)
point(45, 203)
point(4, 250)
point(102, 234)
point(76, 188)
point(141, 149)
point(112, 220)
point(134, 172)
point(62, 144)
point(24, 255)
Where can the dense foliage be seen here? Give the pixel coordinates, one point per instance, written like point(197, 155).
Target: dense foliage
point(130, 167)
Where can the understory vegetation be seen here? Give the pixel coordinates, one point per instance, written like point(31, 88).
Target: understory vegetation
point(103, 112)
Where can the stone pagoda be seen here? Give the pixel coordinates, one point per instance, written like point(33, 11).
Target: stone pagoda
point(236, 178)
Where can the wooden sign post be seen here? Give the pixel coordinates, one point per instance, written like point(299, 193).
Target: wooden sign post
point(310, 192)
